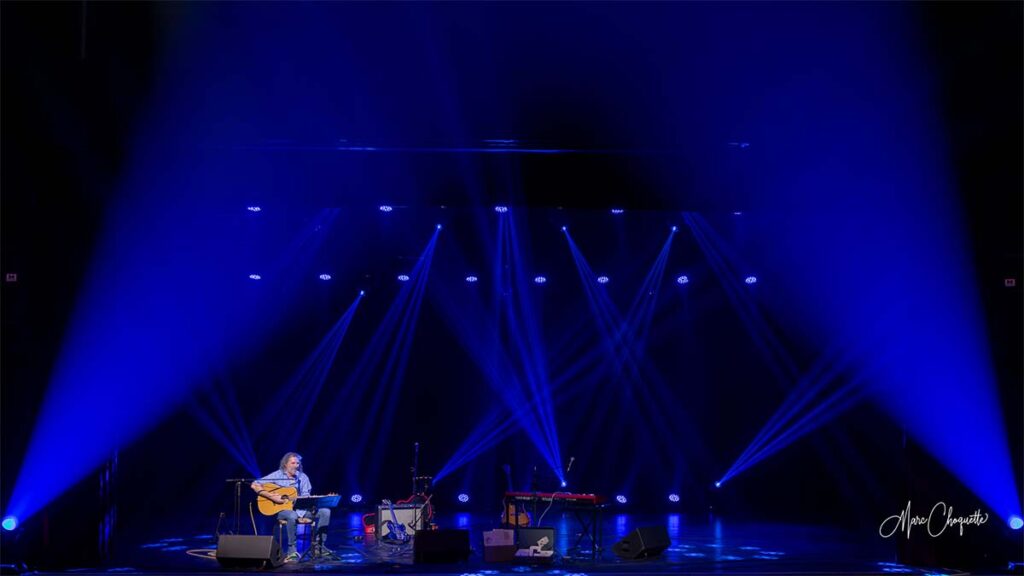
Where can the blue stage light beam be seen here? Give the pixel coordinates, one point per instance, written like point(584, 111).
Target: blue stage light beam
point(630, 333)
point(528, 338)
point(465, 316)
point(519, 377)
point(647, 298)
point(220, 414)
point(392, 334)
point(501, 423)
point(304, 386)
point(478, 339)
point(621, 341)
point(881, 255)
point(372, 441)
point(725, 263)
point(497, 426)
point(824, 371)
point(617, 356)
point(825, 411)
point(622, 335)
point(144, 332)
point(346, 398)
point(515, 370)
point(926, 347)
point(512, 311)
point(570, 382)
point(836, 403)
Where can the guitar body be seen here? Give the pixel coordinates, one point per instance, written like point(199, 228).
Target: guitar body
point(270, 508)
point(515, 515)
point(396, 530)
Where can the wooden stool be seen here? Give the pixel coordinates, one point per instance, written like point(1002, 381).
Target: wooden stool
point(299, 523)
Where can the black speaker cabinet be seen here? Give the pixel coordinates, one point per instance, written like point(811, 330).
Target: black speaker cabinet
point(645, 542)
point(248, 551)
point(440, 546)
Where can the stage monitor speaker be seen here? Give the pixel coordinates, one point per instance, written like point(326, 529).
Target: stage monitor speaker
point(440, 546)
point(248, 551)
point(644, 542)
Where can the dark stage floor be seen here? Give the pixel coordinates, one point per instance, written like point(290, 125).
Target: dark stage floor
point(698, 546)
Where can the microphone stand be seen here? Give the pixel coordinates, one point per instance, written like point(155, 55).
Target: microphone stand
point(415, 464)
point(420, 486)
point(238, 507)
point(238, 500)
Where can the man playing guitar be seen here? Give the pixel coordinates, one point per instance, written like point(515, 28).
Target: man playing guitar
point(290, 477)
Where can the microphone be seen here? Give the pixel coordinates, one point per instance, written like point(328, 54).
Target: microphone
point(569, 467)
point(230, 480)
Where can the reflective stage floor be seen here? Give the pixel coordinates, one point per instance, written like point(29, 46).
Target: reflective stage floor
point(697, 546)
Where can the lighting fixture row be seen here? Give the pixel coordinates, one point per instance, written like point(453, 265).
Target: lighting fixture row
point(500, 209)
point(683, 279)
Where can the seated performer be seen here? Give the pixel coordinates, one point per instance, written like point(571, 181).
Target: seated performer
point(290, 474)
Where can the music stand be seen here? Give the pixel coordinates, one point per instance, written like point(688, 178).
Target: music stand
point(312, 504)
point(315, 502)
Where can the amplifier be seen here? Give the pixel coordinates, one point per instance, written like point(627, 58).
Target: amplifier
point(412, 516)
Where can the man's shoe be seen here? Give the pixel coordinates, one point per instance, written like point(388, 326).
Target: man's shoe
point(292, 557)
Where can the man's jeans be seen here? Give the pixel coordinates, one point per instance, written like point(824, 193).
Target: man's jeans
point(323, 519)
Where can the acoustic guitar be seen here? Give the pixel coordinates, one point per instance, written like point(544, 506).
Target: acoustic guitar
point(289, 493)
point(271, 508)
point(513, 514)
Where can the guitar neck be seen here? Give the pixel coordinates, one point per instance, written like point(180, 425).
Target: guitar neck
point(508, 476)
